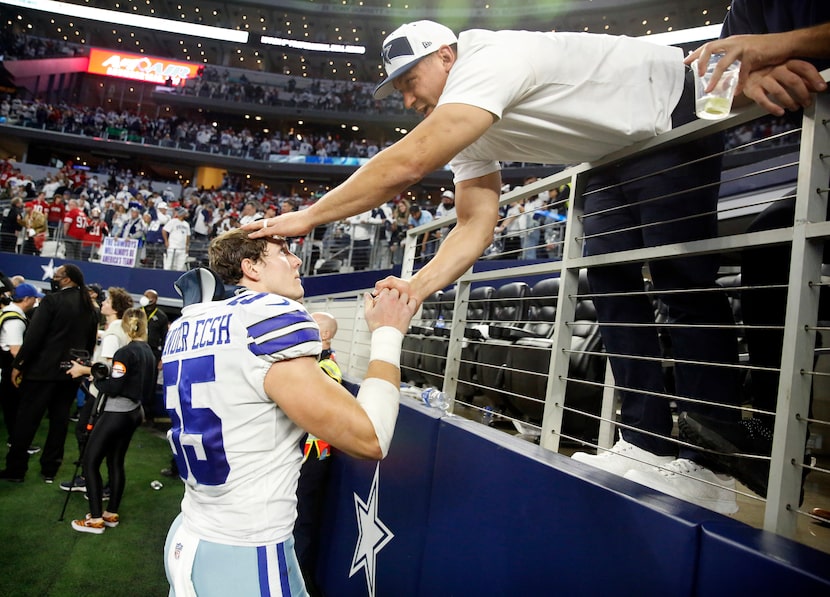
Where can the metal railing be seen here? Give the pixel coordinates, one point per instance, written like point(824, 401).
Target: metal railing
point(797, 369)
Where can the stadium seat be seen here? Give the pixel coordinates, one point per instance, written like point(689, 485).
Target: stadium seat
point(527, 372)
point(412, 349)
point(509, 310)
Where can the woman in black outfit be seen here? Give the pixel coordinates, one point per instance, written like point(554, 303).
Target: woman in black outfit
point(131, 381)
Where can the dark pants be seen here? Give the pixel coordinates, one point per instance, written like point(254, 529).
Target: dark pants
point(72, 248)
point(54, 397)
point(311, 493)
point(9, 397)
point(8, 242)
point(689, 216)
point(109, 439)
point(361, 252)
point(764, 307)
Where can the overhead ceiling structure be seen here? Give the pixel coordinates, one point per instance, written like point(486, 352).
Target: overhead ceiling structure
point(321, 39)
point(332, 39)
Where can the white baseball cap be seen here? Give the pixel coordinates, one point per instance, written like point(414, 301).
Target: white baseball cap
point(406, 46)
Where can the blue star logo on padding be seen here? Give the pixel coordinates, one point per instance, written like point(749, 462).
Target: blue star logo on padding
point(373, 535)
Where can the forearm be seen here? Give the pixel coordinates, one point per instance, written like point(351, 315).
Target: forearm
point(362, 428)
point(386, 175)
point(461, 248)
point(812, 42)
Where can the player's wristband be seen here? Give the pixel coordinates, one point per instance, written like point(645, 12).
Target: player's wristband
point(380, 400)
point(386, 345)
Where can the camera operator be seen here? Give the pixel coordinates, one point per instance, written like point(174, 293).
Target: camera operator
point(65, 320)
point(130, 382)
point(114, 337)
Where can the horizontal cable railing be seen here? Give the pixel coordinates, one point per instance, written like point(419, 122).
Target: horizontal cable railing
point(501, 373)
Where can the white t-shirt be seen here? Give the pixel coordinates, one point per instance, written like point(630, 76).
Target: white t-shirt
point(178, 232)
point(112, 339)
point(13, 329)
point(560, 98)
point(237, 451)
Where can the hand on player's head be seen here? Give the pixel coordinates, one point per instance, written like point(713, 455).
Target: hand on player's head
point(389, 307)
point(294, 223)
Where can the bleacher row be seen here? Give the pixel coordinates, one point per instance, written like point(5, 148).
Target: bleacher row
point(507, 348)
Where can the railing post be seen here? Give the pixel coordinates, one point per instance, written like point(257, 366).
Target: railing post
point(794, 386)
point(565, 309)
point(456, 342)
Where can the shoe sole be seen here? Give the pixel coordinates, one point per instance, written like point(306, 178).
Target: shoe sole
point(752, 473)
point(73, 488)
point(111, 525)
point(82, 528)
point(721, 506)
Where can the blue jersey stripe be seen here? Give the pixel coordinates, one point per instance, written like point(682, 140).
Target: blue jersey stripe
point(284, 584)
point(276, 345)
point(262, 567)
point(278, 322)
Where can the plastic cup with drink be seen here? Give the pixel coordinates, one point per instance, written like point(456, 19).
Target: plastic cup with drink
point(717, 103)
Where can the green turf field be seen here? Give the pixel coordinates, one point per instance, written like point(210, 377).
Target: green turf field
point(41, 556)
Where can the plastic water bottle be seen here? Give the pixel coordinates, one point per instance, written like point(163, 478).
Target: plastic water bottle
point(435, 398)
point(487, 416)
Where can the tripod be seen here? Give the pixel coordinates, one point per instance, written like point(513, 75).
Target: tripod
point(97, 409)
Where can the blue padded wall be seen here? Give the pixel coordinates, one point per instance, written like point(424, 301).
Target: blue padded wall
point(509, 518)
point(404, 488)
point(741, 560)
point(477, 512)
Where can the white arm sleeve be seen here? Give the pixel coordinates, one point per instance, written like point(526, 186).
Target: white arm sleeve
point(386, 345)
point(380, 400)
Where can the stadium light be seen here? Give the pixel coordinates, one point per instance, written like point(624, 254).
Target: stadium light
point(131, 20)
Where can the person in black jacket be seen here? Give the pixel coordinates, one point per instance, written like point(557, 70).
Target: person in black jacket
point(11, 225)
point(132, 380)
point(65, 322)
point(157, 325)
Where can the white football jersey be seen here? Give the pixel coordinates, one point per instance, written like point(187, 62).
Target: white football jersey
point(238, 453)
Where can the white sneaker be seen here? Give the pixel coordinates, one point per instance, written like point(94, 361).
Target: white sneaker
point(691, 482)
point(621, 458)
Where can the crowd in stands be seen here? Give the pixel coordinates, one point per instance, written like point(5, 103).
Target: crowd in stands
point(25, 47)
point(76, 210)
point(218, 138)
point(181, 133)
point(281, 90)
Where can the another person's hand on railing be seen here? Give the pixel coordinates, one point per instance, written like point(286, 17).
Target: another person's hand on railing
point(768, 75)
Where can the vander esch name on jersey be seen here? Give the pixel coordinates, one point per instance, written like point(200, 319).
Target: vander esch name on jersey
point(206, 332)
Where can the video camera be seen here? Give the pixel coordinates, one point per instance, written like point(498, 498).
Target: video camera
point(98, 370)
point(82, 356)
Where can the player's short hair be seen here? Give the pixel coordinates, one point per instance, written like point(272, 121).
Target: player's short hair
point(134, 324)
point(120, 299)
point(227, 251)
